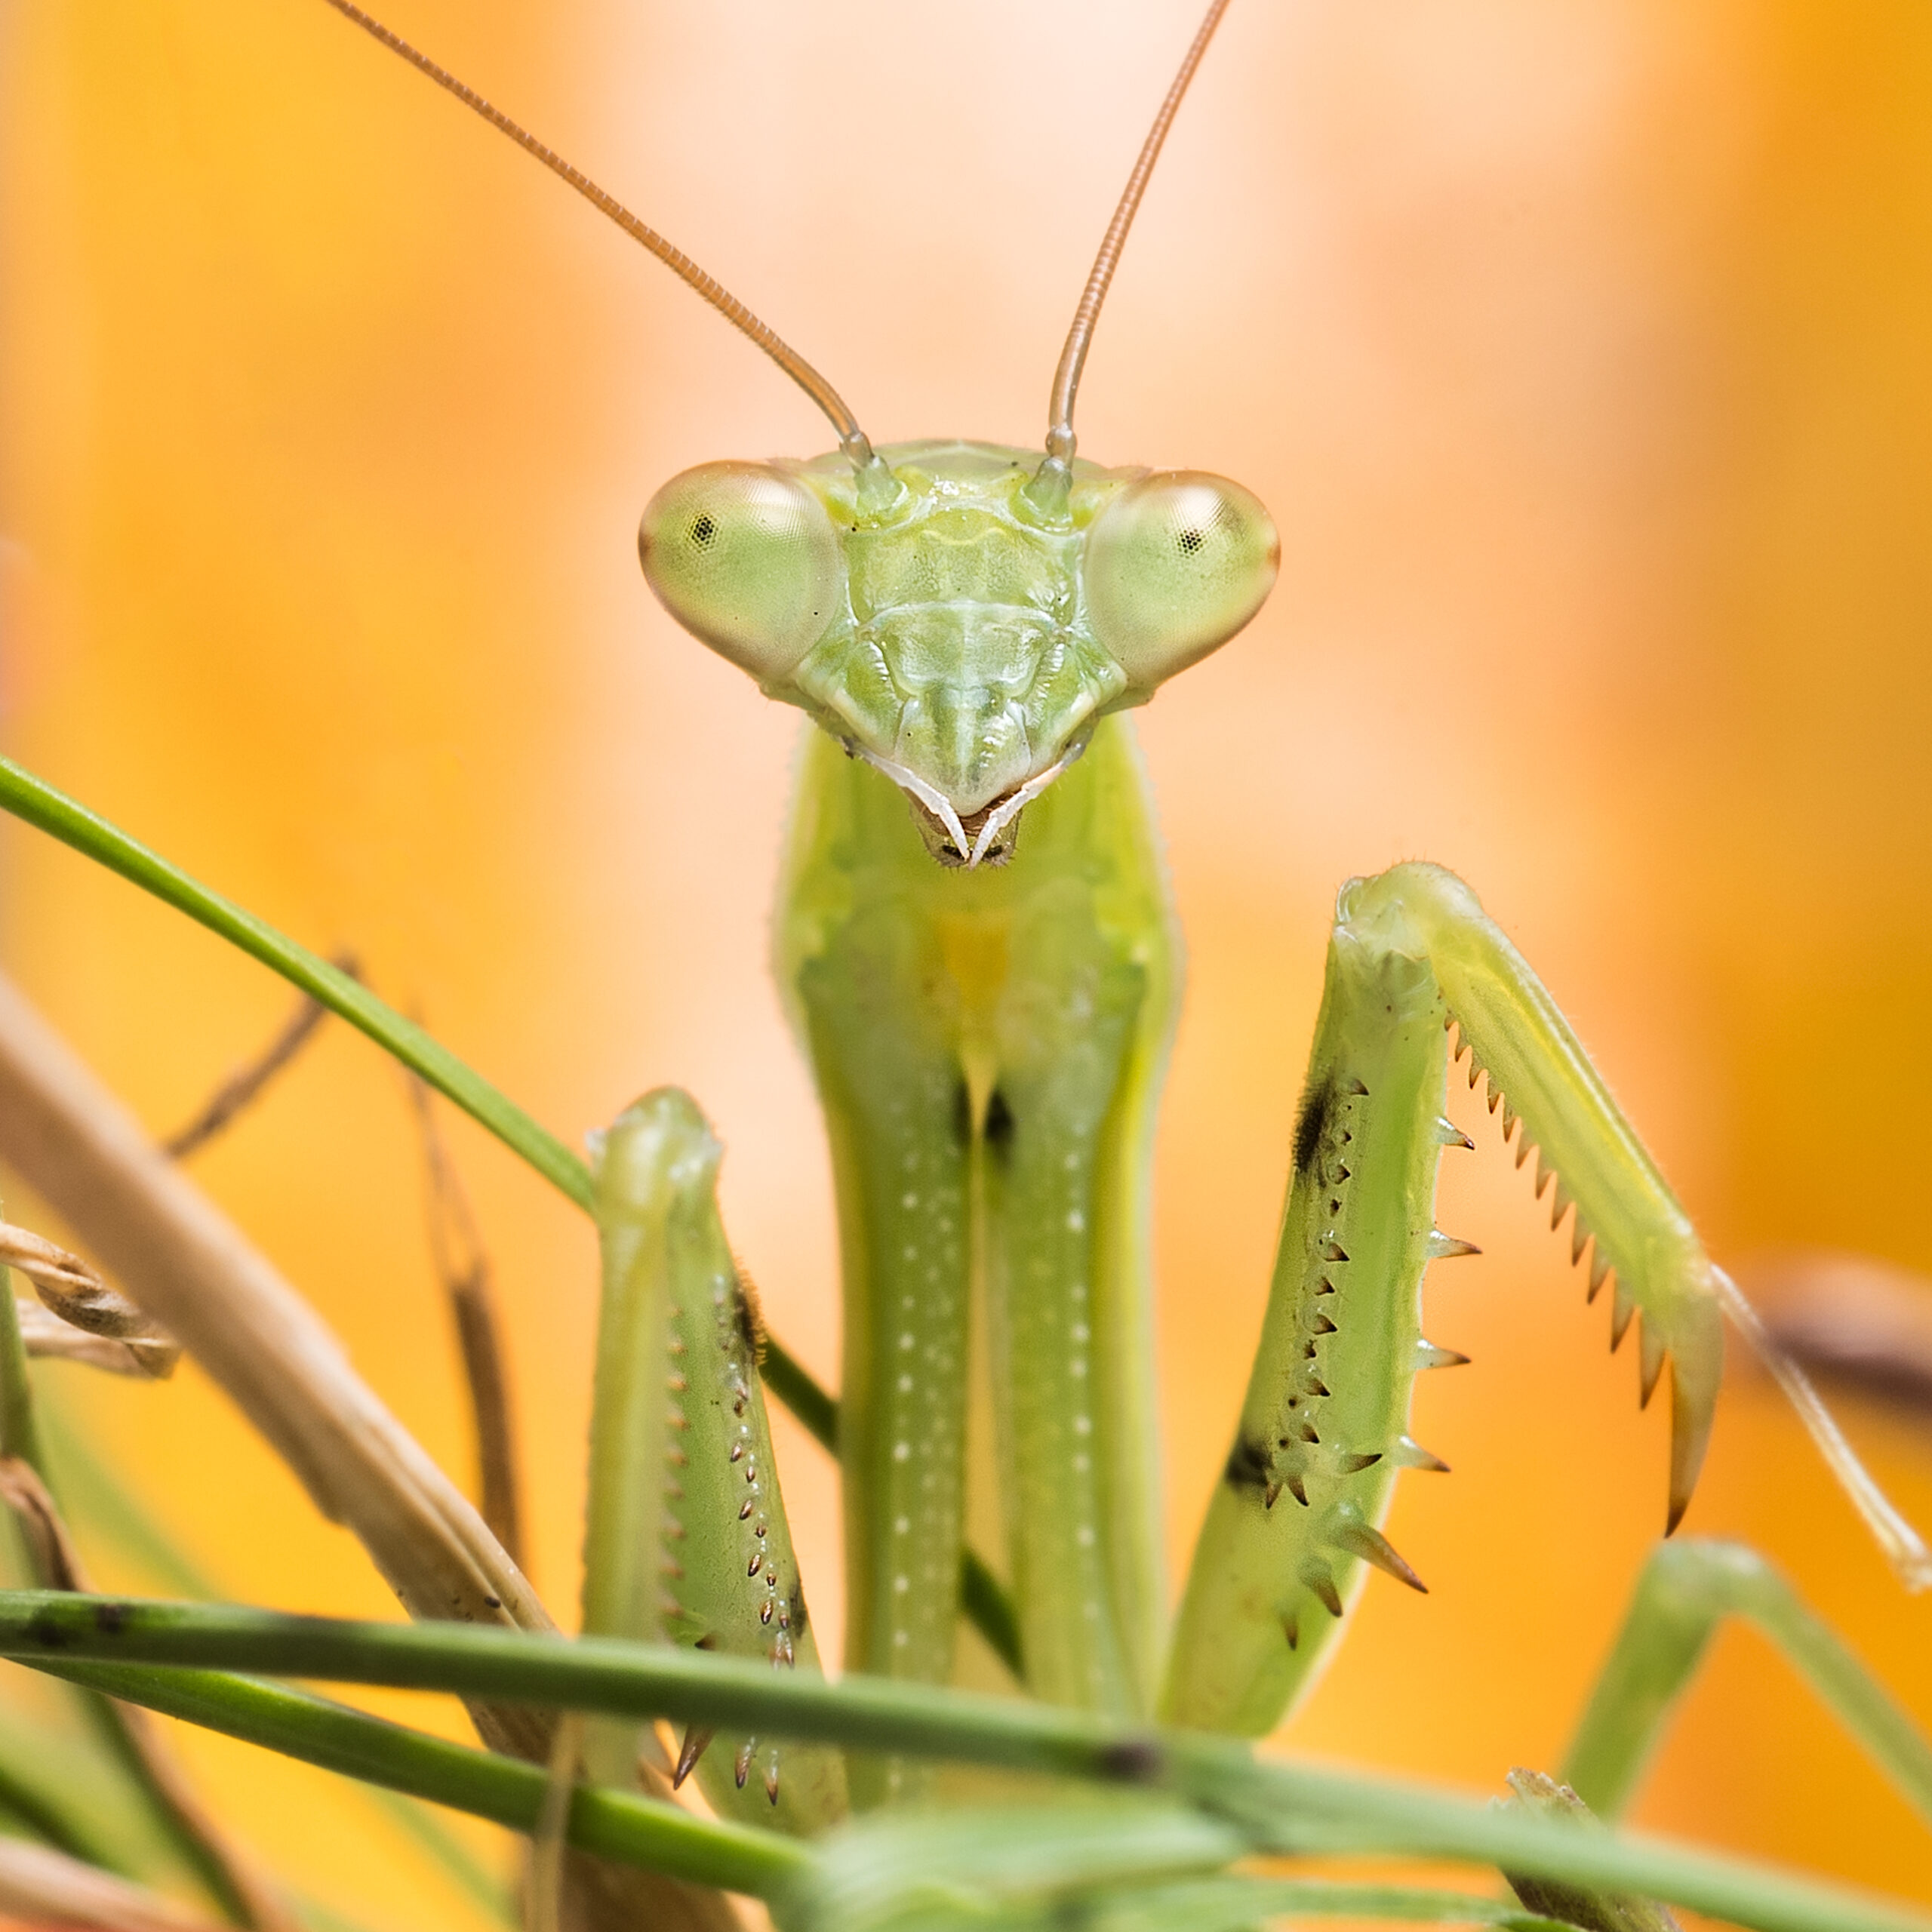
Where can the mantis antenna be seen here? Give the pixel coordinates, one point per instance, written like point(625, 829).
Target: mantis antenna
point(1056, 472)
point(852, 439)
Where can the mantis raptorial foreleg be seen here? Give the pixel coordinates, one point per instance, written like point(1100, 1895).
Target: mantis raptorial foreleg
point(987, 1045)
point(1323, 1429)
point(686, 1536)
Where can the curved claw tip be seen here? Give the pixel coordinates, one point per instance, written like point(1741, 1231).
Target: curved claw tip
point(689, 1752)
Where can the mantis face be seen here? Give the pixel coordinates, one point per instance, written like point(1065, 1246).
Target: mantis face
point(948, 630)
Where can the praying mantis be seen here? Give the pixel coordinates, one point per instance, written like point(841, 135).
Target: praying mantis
point(1219, 1449)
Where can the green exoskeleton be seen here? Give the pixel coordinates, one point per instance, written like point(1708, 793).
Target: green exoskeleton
point(974, 937)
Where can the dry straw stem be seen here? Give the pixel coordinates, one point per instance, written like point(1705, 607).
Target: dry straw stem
point(47, 1888)
point(46, 1337)
point(186, 1264)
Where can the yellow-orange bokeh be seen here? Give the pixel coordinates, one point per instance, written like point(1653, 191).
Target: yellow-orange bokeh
point(1577, 349)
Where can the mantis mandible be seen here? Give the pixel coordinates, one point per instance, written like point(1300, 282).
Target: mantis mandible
point(1266, 1470)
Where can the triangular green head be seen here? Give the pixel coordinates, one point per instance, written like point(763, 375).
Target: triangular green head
point(949, 622)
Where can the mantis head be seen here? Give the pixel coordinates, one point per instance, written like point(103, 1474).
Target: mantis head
point(956, 621)
point(956, 614)
point(946, 623)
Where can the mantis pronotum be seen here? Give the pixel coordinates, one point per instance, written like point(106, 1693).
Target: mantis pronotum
point(1220, 1453)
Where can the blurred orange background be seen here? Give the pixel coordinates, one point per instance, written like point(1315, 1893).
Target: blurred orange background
point(1578, 347)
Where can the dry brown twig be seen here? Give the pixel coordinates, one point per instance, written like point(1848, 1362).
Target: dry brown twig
point(244, 1086)
point(463, 1266)
point(1864, 1324)
point(462, 1263)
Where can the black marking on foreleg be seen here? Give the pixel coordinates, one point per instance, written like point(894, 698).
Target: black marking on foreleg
point(748, 1314)
point(1249, 1464)
point(1312, 1119)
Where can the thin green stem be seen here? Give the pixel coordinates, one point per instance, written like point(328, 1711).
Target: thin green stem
point(802, 1392)
point(1281, 1807)
point(40, 804)
point(20, 1429)
point(53, 812)
point(619, 1678)
point(618, 1825)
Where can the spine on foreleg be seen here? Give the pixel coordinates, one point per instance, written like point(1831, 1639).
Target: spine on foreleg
point(687, 1538)
point(1295, 1521)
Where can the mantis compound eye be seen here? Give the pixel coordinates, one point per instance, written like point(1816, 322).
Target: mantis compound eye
point(1176, 564)
point(746, 558)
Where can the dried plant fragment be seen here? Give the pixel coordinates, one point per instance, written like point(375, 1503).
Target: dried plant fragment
point(47, 1338)
point(1589, 1912)
point(77, 1296)
point(1864, 1323)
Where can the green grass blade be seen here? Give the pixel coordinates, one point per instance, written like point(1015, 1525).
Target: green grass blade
point(618, 1825)
point(795, 1386)
point(1281, 1807)
point(61, 817)
point(961, 1865)
point(52, 1788)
